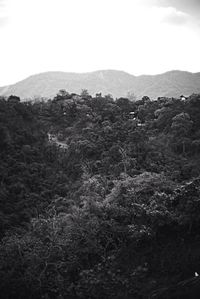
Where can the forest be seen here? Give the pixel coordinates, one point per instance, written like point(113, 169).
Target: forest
point(99, 197)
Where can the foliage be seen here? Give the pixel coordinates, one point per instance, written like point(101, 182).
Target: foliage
point(99, 198)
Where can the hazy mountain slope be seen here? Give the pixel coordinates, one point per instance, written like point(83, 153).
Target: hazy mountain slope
point(48, 84)
point(171, 84)
point(117, 83)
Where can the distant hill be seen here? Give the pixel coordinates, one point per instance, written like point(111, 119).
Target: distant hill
point(117, 83)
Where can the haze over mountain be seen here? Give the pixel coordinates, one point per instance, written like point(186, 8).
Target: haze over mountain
point(117, 83)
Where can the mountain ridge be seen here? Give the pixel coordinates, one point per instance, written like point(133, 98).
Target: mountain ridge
point(115, 82)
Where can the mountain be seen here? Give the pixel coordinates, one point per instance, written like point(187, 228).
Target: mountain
point(117, 83)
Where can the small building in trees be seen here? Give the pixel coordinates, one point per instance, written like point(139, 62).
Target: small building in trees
point(183, 98)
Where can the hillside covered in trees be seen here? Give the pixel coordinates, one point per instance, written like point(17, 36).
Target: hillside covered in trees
point(100, 198)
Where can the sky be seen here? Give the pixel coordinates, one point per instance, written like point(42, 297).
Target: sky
point(136, 36)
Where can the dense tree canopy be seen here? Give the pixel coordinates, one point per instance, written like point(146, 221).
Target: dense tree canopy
point(100, 198)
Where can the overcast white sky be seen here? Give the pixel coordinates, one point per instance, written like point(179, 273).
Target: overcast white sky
point(137, 36)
